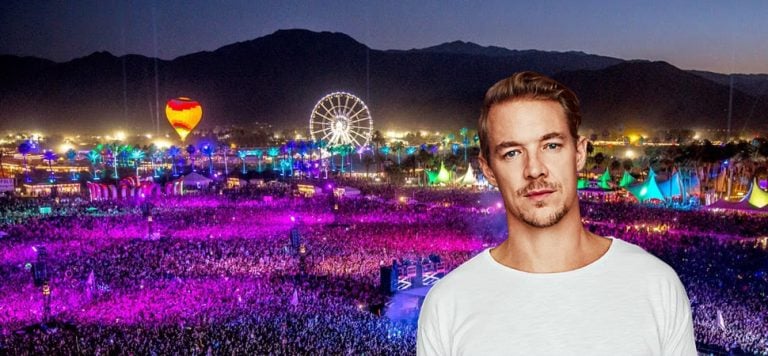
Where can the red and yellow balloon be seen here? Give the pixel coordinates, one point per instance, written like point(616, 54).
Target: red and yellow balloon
point(183, 114)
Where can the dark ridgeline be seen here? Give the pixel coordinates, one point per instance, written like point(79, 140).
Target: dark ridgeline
point(278, 78)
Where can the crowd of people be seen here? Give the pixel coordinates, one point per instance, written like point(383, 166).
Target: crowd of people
point(217, 273)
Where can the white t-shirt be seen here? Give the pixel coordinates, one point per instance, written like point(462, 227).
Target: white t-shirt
point(627, 302)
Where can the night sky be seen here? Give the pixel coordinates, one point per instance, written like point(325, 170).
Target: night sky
point(721, 36)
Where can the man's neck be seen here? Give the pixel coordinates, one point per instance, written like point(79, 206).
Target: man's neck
point(562, 247)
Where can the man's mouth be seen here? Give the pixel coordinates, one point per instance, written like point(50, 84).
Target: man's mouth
point(539, 195)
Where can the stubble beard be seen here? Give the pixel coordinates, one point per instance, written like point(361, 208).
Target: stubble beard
point(545, 221)
point(530, 217)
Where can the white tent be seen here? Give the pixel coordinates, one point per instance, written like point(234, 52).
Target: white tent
point(468, 178)
point(195, 180)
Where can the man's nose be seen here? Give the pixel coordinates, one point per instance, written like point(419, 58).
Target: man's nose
point(534, 167)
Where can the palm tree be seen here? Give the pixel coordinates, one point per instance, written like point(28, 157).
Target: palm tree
point(124, 154)
point(465, 141)
point(344, 150)
point(273, 152)
point(137, 155)
point(398, 147)
point(24, 148)
point(113, 150)
point(259, 153)
point(320, 146)
point(333, 150)
point(71, 155)
point(225, 154)
point(378, 140)
point(385, 152)
point(94, 156)
point(367, 161)
point(284, 163)
point(191, 151)
point(156, 155)
point(174, 152)
point(242, 155)
point(290, 146)
point(208, 150)
point(50, 157)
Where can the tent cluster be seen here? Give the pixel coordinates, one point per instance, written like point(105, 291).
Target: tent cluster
point(442, 176)
point(605, 181)
point(677, 186)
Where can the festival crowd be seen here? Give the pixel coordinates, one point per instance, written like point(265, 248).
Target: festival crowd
point(217, 273)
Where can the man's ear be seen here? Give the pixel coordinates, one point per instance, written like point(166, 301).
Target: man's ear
point(487, 171)
point(581, 153)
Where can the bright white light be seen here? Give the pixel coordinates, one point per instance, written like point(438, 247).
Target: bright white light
point(64, 147)
point(161, 143)
point(120, 135)
point(629, 154)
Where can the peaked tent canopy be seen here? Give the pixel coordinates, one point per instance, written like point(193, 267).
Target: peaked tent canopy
point(468, 178)
point(583, 183)
point(671, 187)
point(605, 180)
point(626, 180)
point(756, 196)
point(647, 190)
point(443, 176)
point(431, 177)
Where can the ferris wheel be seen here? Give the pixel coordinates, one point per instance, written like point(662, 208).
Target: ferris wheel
point(341, 119)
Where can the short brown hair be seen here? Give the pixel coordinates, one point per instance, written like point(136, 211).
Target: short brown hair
point(528, 85)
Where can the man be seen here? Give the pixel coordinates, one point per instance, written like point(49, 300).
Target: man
point(552, 287)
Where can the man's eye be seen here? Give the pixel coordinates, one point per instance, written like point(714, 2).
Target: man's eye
point(511, 154)
point(553, 146)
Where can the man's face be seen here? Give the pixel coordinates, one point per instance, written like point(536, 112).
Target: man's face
point(533, 160)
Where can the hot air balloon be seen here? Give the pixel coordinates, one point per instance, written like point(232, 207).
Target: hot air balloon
point(183, 114)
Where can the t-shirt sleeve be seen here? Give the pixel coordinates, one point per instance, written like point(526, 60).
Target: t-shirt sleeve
point(678, 337)
point(430, 341)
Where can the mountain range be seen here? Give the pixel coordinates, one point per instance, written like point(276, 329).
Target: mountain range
point(277, 79)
